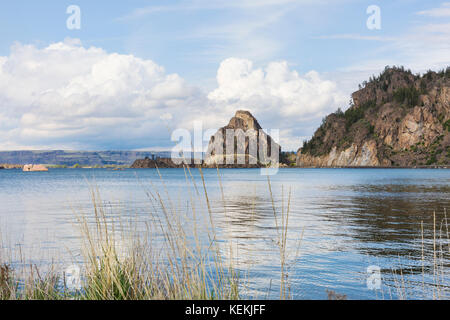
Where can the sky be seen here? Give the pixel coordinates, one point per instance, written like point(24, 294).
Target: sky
point(135, 71)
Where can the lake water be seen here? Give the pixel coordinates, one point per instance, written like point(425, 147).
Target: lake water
point(351, 220)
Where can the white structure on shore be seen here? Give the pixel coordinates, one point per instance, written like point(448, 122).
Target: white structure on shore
point(34, 167)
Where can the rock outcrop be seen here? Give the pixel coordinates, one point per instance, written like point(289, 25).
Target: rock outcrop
point(148, 163)
point(70, 158)
point(242, 143)
point(397, 119)
point(353, 156)
point(10, 166)
point(34, 168)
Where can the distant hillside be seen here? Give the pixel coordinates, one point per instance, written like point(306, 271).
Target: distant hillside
point(397, 119)
point(70, 158)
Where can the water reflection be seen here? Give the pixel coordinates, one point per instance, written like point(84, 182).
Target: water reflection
point(245, 223)
point(368, 224)
point(351, 219)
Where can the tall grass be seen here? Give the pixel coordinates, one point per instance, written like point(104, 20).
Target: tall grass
point(167, 259)
point(434, 264)
point(175, 254)
point(129, 264)
point(282, 227)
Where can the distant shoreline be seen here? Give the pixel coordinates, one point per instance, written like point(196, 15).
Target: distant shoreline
point(227, 168)
point(377, 167)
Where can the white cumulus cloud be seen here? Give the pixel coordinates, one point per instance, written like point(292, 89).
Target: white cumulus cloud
point(279, 97)
point(66, 96)
point(275, 88)
point(76, 97)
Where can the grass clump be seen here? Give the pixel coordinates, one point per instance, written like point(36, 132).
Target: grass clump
point(123, 260)
point(173, 255)
point(127, 266)
point(7, 286)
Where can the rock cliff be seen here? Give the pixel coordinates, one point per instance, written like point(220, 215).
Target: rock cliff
point(148, 163)
point(250, 147)
point(396, 119)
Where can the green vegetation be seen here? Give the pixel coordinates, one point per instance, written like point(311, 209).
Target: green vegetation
point(423, 87)
point(447, 125)
point(431, 160)
point(56, 166)
point(384, 79)
point(407, 96)
point(355, 113)
point(444, 72)
point(391, 95)
point(288, 158)
point(311, 146)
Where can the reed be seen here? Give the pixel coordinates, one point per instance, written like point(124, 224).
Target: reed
point(127, 265)
point(168, 259)
point(433, 263)
point(175, 254)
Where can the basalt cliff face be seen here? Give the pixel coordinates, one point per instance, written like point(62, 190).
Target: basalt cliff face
point(251, 147)
point(148, 163)
point(397, 119)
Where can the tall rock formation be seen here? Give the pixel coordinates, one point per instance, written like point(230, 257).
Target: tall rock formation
point(242, 143)
point(397, 119)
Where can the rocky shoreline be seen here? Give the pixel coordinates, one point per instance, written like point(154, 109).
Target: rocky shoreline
point(397, 119)
point(7, 166)
point(166, 163)
point(148, 163)
point(374, 167)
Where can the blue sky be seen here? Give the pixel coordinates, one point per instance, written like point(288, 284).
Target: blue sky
point(191, 39)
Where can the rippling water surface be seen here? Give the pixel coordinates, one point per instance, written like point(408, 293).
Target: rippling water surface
point(350, 219)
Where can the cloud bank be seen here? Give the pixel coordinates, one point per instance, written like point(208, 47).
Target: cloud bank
point(275, 88)
point(66, 96)
point(277, 96)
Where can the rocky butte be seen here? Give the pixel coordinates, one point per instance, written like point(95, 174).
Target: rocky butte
point(250, 147)
point(397, 119)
